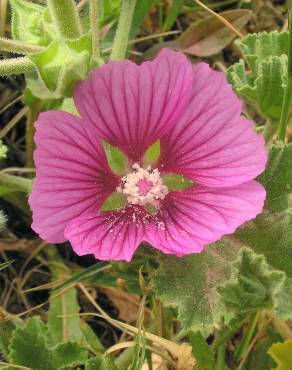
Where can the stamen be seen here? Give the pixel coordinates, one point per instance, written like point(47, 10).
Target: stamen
point(143, 186)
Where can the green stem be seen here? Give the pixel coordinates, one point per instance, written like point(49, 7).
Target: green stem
point(220, 362)
point(65, 18)
point(123, 30)
point(17, 182)
point(270, 129)
point(96, 59)
point(16, 66)
point(224, 336)
point(125, 358)
point(284, 120)
point(30, 130)
point(247, 337)
point(18, 47)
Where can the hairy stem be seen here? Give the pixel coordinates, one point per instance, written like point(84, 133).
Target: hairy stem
point(18, 47)
point(16, 66)
point(284, 120)
point(30, 130)
point(66, 19)
point(95, 33)
point(16, 182)
point(123, 30)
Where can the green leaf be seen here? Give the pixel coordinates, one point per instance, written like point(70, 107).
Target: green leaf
point(117, 160)
point(270, 233)
point(113, 202)
point(93, 363)
point(101, 363)
point(72, 327)
point(259, 47)
point(63, 63)
point(28, 346)
point(7, 328)
point(62, 329)
point(277, 178)
point(282, 354)
point(152, 154)
point(209, 36)
point(172, 14)
point(92, 340)
point(258, 358)
point(262, 81)
point(265, 89)
point(204, 357)
point(176, 182)
point(90, 271)
point(27, 22)
point(187, 283)
point(67, 355)
point(253, 285)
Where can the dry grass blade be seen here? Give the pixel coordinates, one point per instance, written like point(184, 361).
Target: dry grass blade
point(7, 106)
point(15, 366)
point(223, 20)
point(13, 121)
point(3, 12)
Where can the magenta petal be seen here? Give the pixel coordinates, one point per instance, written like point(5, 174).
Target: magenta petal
point(200, 216)
point(211, 143)
point(72, 175)
point(108, 237)
point(131, 106)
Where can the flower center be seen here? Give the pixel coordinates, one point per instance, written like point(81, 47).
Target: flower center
point(143, 186)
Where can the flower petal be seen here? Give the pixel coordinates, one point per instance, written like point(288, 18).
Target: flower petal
point(211, 143)
point(109, 236)
point(199, 216)
point(132, 106)
point(72, 175)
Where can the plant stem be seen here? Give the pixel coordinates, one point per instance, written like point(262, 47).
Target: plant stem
point(30, 130)
point(247, 337)
point(65, 18)
point(270, 129)
point(16, 182)
point(220, 362)
point(16, 66)
point(18, 47)
point(123, 30)
point(284, 119)
point(96, 59)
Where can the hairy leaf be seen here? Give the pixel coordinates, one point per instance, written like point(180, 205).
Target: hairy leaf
point(261, 81)
point(187, 283)
point(253, 285)
point(29, 348)
point(63, 63)
point(27, 22)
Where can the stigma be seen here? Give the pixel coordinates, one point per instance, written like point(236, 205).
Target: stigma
point(143, 187)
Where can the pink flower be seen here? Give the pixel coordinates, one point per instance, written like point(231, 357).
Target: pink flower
point(197, 118)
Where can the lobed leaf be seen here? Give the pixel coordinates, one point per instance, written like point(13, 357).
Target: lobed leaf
point(27, 22)
point(253, 285)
